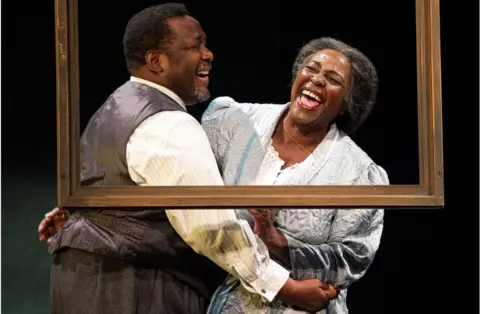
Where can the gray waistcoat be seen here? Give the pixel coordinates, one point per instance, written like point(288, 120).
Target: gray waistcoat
point(143, 236)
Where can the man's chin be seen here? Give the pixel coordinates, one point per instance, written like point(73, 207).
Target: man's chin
point(201, 96)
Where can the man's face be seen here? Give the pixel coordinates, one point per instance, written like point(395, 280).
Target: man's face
point(189, 61)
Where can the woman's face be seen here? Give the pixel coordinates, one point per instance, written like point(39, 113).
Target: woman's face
point(318, 92)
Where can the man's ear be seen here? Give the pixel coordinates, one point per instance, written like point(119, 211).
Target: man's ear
point(156, 61)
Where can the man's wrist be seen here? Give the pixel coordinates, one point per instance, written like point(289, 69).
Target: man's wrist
point(271, 281)
point(288, 290)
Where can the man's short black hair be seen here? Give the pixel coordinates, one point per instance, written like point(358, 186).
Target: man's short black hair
point(147, 30)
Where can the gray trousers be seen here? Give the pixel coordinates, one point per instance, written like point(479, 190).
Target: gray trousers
point(86, 283)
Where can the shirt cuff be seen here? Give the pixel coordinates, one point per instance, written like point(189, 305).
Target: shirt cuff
point(271, 281)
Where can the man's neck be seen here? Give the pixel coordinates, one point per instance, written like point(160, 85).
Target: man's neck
point(161, 88)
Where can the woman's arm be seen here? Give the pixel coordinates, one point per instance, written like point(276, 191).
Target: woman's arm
point(343, 259)
point(225, 119)
point(349, 250)
point(346, 255)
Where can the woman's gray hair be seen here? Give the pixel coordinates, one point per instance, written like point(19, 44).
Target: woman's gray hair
point(361, 93)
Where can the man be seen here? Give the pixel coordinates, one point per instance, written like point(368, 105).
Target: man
point(120, 260)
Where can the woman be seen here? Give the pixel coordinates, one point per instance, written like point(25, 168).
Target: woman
point(304, 142)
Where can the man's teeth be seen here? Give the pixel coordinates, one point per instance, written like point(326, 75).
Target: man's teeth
point(311, 95)
point(203, 73)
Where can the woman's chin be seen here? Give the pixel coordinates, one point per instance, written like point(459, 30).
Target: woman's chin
point(302, 119)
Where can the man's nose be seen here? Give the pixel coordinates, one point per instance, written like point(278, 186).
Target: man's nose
point(207, 55)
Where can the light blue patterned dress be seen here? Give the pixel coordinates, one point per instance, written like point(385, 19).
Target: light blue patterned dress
point(336, 246)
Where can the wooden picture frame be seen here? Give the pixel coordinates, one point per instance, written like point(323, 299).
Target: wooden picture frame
point(428, 193)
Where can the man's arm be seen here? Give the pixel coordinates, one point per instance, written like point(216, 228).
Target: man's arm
point(171, 148)
point(217, 234)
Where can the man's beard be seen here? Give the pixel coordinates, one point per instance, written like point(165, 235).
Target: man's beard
point(200, 95)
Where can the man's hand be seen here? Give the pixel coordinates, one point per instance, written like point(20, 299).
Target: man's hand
point(52, 224)
point(309, 294)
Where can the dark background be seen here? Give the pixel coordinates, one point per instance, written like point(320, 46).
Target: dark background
point(427, 257)
point(254, 52)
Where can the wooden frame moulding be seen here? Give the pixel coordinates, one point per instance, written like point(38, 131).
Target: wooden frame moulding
point(428, 193)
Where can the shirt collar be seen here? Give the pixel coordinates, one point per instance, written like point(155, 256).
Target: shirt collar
point(161, 88)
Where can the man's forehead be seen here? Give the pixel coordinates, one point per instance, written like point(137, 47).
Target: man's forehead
point(186, 26)
point(200, 35)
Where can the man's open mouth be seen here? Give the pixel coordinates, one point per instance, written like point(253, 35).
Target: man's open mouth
point(203, 74)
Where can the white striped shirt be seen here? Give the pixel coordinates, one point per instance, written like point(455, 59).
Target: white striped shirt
point(171, 148)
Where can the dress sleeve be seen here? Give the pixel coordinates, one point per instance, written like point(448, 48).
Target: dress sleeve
point(351, 246)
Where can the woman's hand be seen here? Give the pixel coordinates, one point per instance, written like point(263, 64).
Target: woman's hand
point(52, 224)
point(264, 227)
point(309, 294)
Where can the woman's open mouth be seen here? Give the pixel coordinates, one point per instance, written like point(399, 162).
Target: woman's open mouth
point(308, 100)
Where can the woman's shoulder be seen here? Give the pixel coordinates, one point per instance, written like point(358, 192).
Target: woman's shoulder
point(226, 105)
point(369, 171)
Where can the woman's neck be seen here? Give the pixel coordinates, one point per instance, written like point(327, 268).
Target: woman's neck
point(300, 135)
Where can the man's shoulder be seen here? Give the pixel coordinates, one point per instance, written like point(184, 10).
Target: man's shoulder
point(169, 120)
